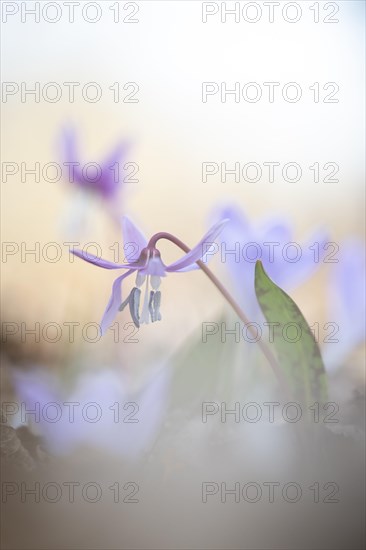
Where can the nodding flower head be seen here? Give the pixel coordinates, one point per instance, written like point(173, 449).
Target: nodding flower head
point(149, 269)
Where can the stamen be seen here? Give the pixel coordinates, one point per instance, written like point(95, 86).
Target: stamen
point(155, 281)
point(157, 302)
point(151, 307)
point(135, 305)
point(124, 304)
point(140, 279)
point(145, 317)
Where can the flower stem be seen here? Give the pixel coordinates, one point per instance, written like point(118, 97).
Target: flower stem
point(262, 345)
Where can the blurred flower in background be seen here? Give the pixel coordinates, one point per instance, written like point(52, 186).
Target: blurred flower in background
point(91, 181)
point(272, 241)
point(98, 412)
point(346, 303)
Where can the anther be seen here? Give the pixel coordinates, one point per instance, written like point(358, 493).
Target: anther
point(134, 302)
point(151, 306)
point(157, 302)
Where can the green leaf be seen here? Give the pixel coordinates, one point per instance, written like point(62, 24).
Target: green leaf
point(296, 348)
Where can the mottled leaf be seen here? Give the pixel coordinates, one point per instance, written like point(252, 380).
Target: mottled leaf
point(296, 348)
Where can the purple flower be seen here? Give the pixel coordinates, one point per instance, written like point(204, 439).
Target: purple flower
point(99, 411)
point(102, 179)
point(346, 311)
point(149, 269)
point(288, 263)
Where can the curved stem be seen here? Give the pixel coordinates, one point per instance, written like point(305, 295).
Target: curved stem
point(262, 345)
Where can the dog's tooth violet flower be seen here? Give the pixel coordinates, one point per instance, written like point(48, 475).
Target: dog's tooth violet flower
point(94, 185)
point(243, 242)
point(37, 389)
point(105, 182)
point(149, 269)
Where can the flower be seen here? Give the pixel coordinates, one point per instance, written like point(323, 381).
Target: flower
point(149, 269)
point(102, 179)
point(346, 310)
point(99, 411)
point(92, 184)
point(271, 241)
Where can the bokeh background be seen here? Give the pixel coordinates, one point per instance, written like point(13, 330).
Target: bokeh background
point(170, 132)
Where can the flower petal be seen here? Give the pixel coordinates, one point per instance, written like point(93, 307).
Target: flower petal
point(134, 241)
point(37, 388)
point(69, 154)
point(99, 261)
point(273, 230)
point(154, 267)
point(68, 139)
point(110, 181)
point(119, 152)
point(346, 303)
point(236, 215)
point(294, 274)
point(191, 267)
point(199, 250)
point(114, 302)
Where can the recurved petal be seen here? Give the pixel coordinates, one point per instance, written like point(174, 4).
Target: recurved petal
point(191, 267)
point(118, 153)
point(200, 249)
point(275, 230)
point(133, 239)
point(111, 178)
point(99, 261)
point(114, 303)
